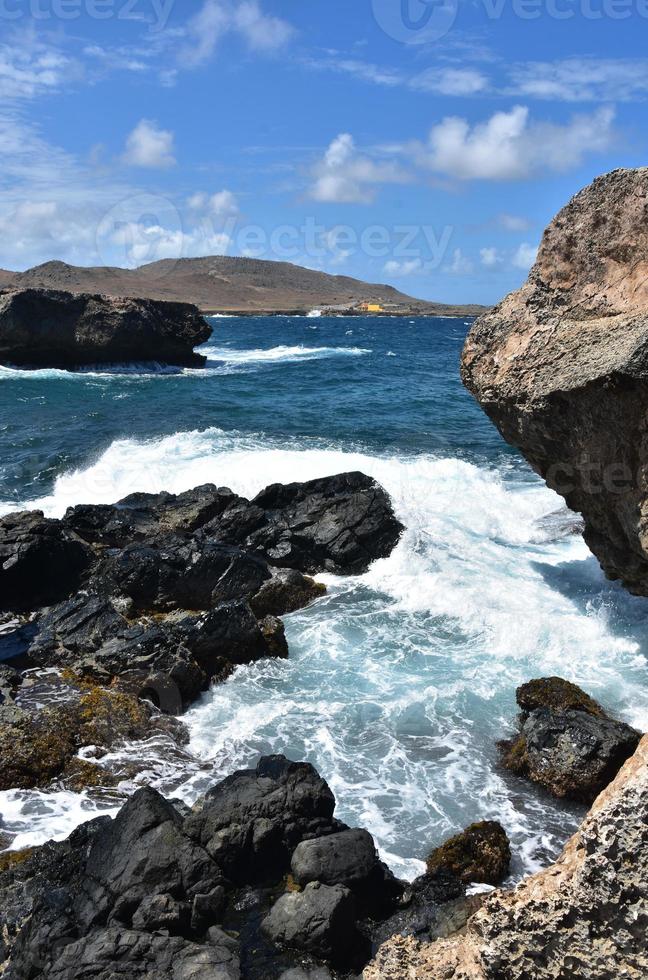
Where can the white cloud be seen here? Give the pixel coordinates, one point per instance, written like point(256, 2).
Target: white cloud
point(525, 256)
point(451, 81)
point(142, 242)
point(460, 265)
point(149, 146)
point(489, 257)
point(513, 222)
point(400, 270)
point(345, 176)
point(581, 80)
point(221, 204)
point(218, 18)
point(509, 146)
point(363, 70)
point(29, 68)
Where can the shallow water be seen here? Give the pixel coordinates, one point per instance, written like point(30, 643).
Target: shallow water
point(401, 680)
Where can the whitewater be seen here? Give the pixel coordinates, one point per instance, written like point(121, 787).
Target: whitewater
point(400, 681)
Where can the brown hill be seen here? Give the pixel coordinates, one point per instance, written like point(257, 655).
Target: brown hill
point(224, 284)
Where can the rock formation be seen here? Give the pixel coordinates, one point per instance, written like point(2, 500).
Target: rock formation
point(567, 743)
point(155, 598)
point(176, 894)
point(50, 328)
point(584, 916)
point(561, 367)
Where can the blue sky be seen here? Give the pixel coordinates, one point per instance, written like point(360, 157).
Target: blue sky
point(425, 143)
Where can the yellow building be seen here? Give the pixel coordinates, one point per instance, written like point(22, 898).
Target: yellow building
point(371, 307)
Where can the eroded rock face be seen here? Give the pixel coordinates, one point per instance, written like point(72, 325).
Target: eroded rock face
point(47, 327)
point(585, 916)
point(561, 367)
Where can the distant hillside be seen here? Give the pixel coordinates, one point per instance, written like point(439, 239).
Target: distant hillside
point(223, 284)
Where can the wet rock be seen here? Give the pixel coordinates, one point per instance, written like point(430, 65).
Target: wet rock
point(274, 634)
point(433, 906)
point(52, 328)
point(481, 853)
point(348, 858)
point(584, 916)
point(143, 516)
point(168, 660)
point(135, 954)
point(320, 920)
point(287, 591)
point(252, 822)
point(40, 561)
point(561, 367)
point(179, 574)
point(37, 747)
point(567, 743)
point(337, 524)
point(570, 753)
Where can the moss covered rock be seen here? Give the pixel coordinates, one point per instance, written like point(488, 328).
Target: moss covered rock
point(567, 743)
point(556, 694)
point(40, 746)
point(481, 853)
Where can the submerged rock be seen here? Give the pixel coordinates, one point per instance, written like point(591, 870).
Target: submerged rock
point(481, 853)
point(52, 328)
point(39, 746)
point(561, 367)
point(584, 916)
point(567, 743)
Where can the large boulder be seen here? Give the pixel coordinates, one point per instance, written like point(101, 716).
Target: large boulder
point(561, 367)
point(567, 743)
point(320, 920)
point(47, 327)
point(174, 573)
point(348, 858)
point(40, 561)
point(336, 524)
point(162, 892)
point(252, 821)
point(584, 916)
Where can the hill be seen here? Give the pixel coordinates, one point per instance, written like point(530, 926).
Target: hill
point(229, 285)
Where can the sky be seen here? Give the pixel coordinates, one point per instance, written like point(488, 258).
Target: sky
point(423, 143)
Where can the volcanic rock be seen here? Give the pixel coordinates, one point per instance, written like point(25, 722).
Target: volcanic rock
point(40, 561)
point(561, 367)
point(51, 328)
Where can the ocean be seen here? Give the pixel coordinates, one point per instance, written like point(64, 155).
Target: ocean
point(401, 680)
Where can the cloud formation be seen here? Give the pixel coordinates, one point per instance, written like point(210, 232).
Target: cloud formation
point(511, 146)
point(150, 147)
point(218, 18)
point(345, 176)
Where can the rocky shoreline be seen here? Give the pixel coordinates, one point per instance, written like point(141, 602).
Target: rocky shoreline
point(129, 612)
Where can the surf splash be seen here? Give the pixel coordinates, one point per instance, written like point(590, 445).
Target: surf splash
point(400, 681)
